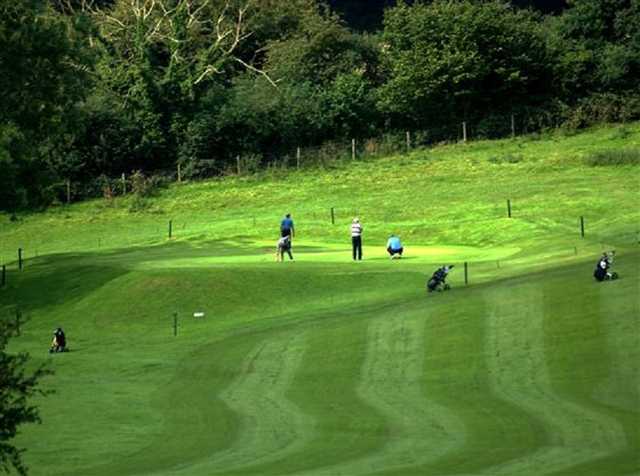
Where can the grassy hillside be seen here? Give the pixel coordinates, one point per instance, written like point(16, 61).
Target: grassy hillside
point(323, 366)
point(456, 194)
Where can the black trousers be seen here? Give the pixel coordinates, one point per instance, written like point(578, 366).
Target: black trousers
point(356, 243)
point(282, 251)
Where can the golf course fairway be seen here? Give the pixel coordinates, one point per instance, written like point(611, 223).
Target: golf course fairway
point(323, 366)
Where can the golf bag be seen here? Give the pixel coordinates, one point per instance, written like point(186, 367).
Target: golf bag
point(438, 280)
point(601, 273)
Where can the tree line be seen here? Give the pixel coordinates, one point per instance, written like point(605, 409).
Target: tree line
point(95, 88)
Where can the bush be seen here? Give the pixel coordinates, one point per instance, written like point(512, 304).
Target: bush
point(613, 157)
point(506, 159)
point(603, 108)
point(142, 186)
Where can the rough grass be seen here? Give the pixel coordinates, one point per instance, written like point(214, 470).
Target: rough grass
point(614, 158)
point(323, 366)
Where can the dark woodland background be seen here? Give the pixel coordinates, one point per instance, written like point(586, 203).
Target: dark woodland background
point(93, 89)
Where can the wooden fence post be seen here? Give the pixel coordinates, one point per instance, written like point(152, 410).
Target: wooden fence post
point(179, 174)
point(18, 320)
point(124, 184)
point(68, 191)
point(175, 324)
point(408, 140)
point(464, 131)
point(513, 126)
point(298, 158)
point(238, 163)
point(353, 149)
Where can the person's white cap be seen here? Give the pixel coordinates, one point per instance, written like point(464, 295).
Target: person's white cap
point(356, 220)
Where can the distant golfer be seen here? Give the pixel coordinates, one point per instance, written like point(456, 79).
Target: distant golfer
point(356, 238)
point(59, 342)
point(286, 227)
point(394, 247)
point(284, 246)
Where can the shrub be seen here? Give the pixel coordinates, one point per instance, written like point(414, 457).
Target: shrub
point(603, 108)
point(143, 186)
point(614, 157)
point(506, 159)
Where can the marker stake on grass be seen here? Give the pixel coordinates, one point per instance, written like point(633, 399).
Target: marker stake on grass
point(18, 320)
point(509, 208)
point(175, 324)
point(20, 259)
point(170, 228)
point(582, 227)
point(4, 276)
point(333, 218)
point(466, 273)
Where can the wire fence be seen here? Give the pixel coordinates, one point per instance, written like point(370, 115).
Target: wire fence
point(330, 225)
point(325, 155)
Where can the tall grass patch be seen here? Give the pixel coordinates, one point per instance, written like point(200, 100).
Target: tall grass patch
point(614, 157)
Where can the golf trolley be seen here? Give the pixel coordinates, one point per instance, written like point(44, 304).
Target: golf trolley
point(601, 273)
point(438, 280)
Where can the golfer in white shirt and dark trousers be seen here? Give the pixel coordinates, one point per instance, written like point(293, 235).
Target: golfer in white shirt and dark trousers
point(356, 238)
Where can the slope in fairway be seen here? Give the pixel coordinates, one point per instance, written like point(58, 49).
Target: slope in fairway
point(323, 366)
point(534, 374)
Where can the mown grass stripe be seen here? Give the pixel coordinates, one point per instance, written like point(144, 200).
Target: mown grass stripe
point(457, 377)
point(516, 356)
point(324, 388)
point(586, 366)
point(390, 382)
point(269, 425)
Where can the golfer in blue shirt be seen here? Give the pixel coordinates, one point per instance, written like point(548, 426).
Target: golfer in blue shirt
point(394, 247)
point(286, 227)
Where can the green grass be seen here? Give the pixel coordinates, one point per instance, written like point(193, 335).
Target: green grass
point(323, 366)
point(614, 157)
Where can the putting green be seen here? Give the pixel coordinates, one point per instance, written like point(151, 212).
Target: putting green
point(315, 252)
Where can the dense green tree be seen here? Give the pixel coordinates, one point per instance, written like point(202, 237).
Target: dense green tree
point(100, 87)
point(325, 77)
point(322, 49)
point(452, 60)
point(44, 66)
point(597, 46)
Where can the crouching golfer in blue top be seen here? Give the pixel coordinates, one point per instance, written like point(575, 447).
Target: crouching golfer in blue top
point(394, 247)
